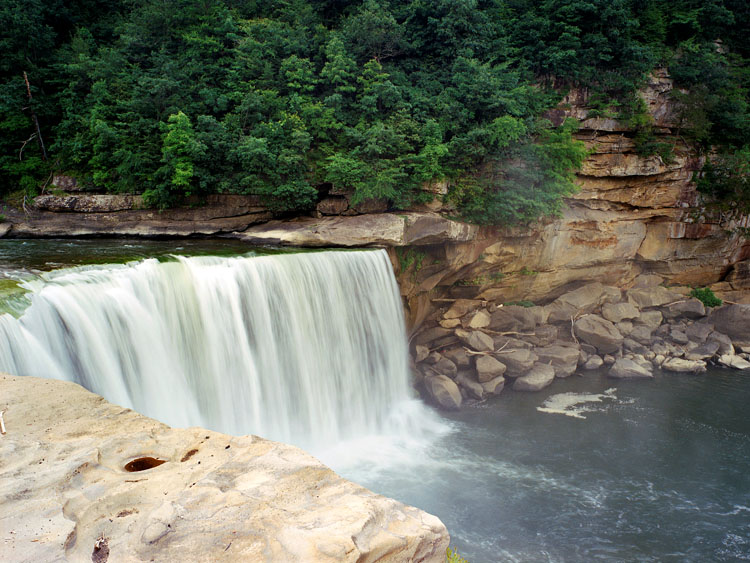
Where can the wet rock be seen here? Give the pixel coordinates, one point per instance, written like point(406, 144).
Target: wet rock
point(594, 362)
point(703, 351)
point(517, 362)
point(725, 343)
point(444, 391)
point(732, 361)
point(564, 359)
point(470, 385)
point(420, 353)
point(488, 368)
point(445, 367)
point(513, 318)
point(608, 360)
point(616, 312)
point(429, 336)
point(659, 360)
point(681, 365)
point(538, 377)
point(494, 386)
point(651, 297)
point(625, 368)
point(476, 340)
point(598, 332)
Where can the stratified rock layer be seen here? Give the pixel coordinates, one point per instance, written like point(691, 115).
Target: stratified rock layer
point(65, 493)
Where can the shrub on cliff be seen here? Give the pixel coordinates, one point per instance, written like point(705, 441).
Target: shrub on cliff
point(706, 296)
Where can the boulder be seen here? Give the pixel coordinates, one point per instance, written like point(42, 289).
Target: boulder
point(725, 343)
point(732, 320)
point(83, 479)
point(450, 323)
point(476, 340)
point(625, 368)
point(632, 346)
point(564, 359)
point(445, 367)
point(704, 351)
point(681, 365)
point(444, 391)
point(733, 361)
point(678, 336)
point(544, 335)
point(480, 319)
point(333, 205)
point(427, 337)
point(538, 377)
point(494, 386)
point(659, 347)
point(580, 301)
point(461, 307)
point(651, 319)
point(641, 334)
point(488, 368)
point(609, 359)
point(517, 362)
point(513, 318)
point(616, 312)
point(470, 386)
point(598, 332)
point(625, 327)
point(699, 332)
point(420, 353)
point(688, 309)
point(651, 297)
point(594, 362)
point(647, 280)
point(458, 356)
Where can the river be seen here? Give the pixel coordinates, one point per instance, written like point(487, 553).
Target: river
point(588, 469)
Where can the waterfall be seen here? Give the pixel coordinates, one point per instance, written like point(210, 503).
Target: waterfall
point(306, 348)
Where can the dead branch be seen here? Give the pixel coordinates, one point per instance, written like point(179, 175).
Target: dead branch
point(2, 423)
point(23, 146)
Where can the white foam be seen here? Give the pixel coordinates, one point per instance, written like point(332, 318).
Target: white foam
point(575, 404)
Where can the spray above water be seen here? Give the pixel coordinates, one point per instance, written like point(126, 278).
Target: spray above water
point(308, 349)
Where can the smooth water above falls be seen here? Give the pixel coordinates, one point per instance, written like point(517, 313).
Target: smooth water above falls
point(307, 348)
point(637, 471)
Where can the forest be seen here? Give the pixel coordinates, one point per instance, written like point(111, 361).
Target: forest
point(288, 99)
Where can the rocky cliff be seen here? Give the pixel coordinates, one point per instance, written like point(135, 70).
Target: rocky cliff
point(85, 480)
point(632, 215)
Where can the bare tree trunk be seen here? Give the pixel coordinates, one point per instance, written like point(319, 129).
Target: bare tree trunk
point(36, 121)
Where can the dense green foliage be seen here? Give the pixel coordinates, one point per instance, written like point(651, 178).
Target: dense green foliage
point(288, 99)
point(706, 296)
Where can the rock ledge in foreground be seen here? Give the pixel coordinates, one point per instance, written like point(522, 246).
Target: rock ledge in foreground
point(65, 493)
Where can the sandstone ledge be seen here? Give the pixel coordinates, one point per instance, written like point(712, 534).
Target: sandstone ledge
point(382, 229)
point(65, 493)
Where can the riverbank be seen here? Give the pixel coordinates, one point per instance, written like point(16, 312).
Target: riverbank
point(470, 350)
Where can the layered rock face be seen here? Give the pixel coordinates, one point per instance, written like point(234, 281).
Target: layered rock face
point(82, 479)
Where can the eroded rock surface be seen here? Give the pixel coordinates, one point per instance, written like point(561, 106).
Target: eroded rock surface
point(65, 493)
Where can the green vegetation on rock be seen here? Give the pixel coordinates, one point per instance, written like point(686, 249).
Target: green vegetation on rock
point(706, 296)
point(288, 100)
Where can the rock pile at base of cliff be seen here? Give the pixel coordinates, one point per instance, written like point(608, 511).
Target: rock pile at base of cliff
point(470, 349)
point(82, 479)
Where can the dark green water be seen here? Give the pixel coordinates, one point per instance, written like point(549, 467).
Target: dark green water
point(654, 471)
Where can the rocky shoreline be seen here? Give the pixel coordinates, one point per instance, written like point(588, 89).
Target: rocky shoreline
point(471, 349)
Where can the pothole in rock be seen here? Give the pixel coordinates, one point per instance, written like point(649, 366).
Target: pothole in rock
point(143, 463)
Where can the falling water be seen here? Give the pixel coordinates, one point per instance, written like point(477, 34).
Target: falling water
point(305, 348)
